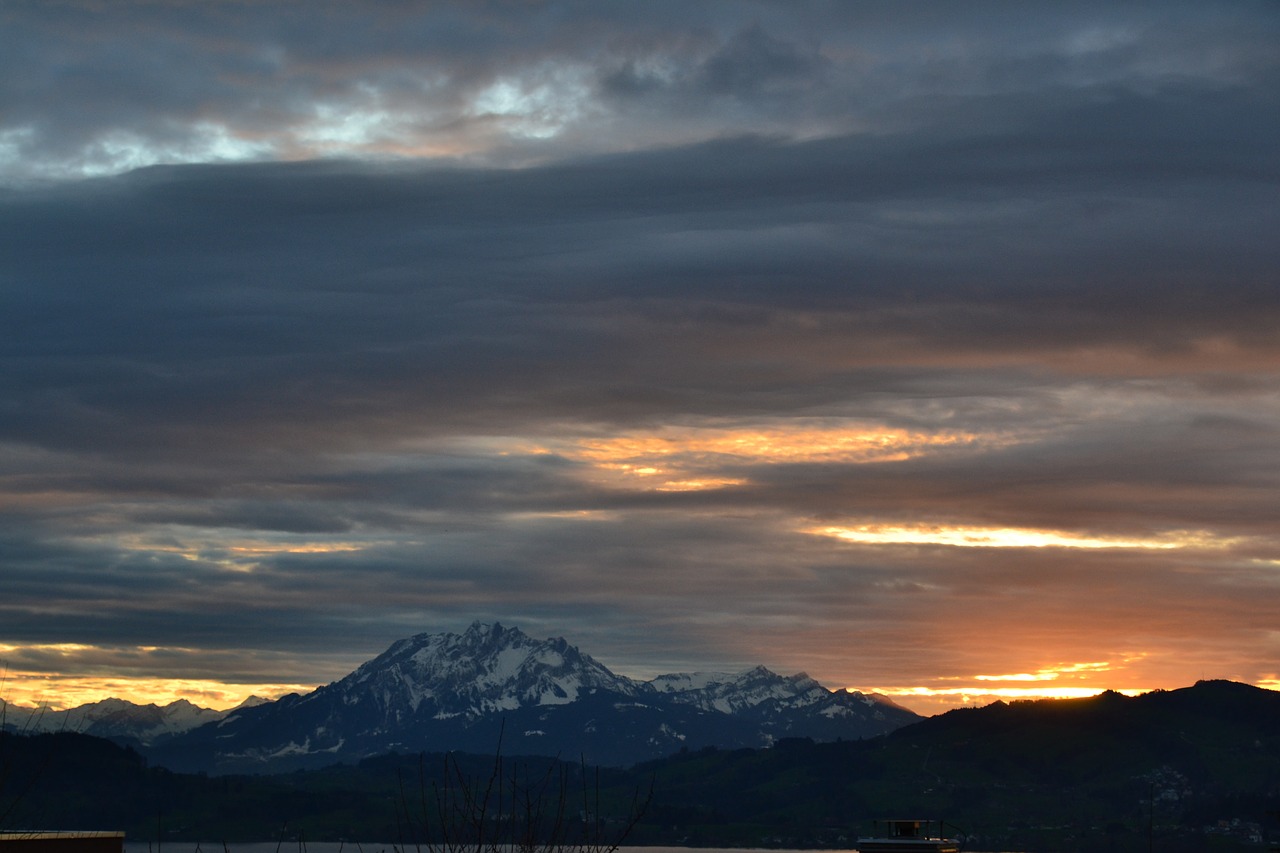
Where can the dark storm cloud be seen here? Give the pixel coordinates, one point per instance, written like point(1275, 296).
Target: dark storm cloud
point(93, 88)
point(266, 292)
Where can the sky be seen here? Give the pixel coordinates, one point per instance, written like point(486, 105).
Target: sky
point(929, 348)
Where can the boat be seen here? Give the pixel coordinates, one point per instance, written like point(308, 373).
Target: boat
point(907, 836)
point(43, 841)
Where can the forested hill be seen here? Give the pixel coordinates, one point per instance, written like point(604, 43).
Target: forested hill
point(1083, 774)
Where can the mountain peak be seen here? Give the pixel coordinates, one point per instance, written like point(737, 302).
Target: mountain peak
point(485, 669)
point(479, 626)
point(493, 683)
point(490, 632)
point(734, 693)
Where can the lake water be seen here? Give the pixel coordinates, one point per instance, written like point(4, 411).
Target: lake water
point(373, 847)
point(350, 847)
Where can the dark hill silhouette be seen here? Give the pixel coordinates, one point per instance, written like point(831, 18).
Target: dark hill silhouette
point(1080, 774)
point(1111, 773)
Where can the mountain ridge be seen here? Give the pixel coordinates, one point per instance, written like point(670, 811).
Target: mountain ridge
point(125, 722)
point(492, 684)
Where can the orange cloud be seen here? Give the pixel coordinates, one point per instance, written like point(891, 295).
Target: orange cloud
point(967, 536)
point(58, 692)
point(929, 701)
point(691, 458)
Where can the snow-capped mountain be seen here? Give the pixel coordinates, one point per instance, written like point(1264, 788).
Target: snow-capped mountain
point(734, 693)
point(488, 669)
point(118, 719)
point(493, 687)
point(785, 705)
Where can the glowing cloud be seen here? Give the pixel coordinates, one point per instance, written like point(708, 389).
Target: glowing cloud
point(1049, 673)
point(930, 700)
point(303, 548)
point(540, 105)
point(1055, 681)
point(798, 443)
point(699, 484)
point(58, 676)
point(687, 458)
point(227, 549)
point(963, 536)
point(60, 692)
point(1003, 692)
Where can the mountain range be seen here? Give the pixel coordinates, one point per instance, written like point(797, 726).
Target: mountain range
point(119, 720)
point(1180, 771)
point(491, 688)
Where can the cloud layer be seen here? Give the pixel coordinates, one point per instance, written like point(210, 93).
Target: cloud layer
point(899, 346)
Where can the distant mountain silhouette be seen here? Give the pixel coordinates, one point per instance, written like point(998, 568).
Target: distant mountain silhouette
point(119, 720)
point(495, 685)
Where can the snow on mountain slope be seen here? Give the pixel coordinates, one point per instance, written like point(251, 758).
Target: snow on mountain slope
point(682, 682)
point(492, 685)
point(731, 694)
point(486, 669)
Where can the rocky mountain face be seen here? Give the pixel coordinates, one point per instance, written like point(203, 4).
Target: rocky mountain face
point(489, 669)
point(494, 688)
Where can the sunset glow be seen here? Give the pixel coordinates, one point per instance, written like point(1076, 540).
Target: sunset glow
point(64, 675)
point(804, 335)
point(687, 459)
point(60, 692)
point(1049, 674)
point(934, 700)
point(795, 443)
point(299, 548)
point(1059, 681)
point(991, 537)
